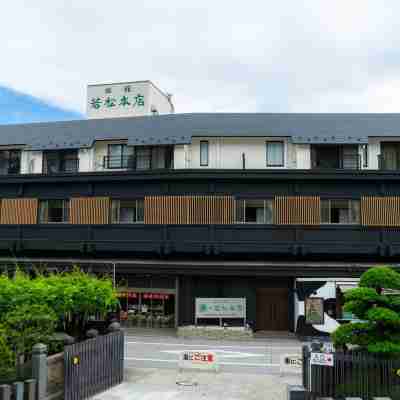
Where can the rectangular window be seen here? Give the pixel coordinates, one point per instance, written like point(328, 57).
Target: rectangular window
point(340, 211)
point(143, 157)
point(275, 154)
point(254, 211)
point(53, 211)
point(365, 155)
point(116, 157)
point(204, 153)
point(127, 211)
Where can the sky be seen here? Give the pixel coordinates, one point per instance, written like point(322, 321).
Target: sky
point(213, 56)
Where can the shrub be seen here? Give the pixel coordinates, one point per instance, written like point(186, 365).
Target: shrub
point(379, 332)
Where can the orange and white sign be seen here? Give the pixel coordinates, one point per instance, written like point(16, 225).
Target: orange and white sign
point(206, 360)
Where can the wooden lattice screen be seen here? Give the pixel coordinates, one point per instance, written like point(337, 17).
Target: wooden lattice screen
point(297, 210)
point(380, 211)
point(89, 210)
point(189, 210)
point(19, 211)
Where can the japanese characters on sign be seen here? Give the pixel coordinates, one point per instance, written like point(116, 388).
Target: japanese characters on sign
point(220, 308)
point(198, 360)
point(324, 359)
point(146, 296)
point(123, 101)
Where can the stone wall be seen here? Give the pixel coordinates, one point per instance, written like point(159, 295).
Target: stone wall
point(55, 375)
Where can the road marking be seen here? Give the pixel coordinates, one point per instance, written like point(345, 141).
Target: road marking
point(221, 363)
point(220, 347)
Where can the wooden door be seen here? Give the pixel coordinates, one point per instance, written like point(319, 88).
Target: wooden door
point(272, 309)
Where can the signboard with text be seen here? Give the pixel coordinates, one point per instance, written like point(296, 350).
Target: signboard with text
point(220, 308)
point(324, 359)
point(198, 360)
point(118, 100)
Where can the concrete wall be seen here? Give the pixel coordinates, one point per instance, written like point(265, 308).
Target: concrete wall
point(226, 153)
point(159, 101)
point(31, 162)
point(86, 159)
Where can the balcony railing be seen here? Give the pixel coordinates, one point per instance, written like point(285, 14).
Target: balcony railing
point(118, 162)
point(388, 164)
point(135, 162)
point(352, 162)
point(65, 166)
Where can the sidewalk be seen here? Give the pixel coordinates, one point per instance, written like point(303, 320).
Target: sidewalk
point(161, 384)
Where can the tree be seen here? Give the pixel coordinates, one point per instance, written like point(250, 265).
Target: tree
point(378, 311)
point(72, 296)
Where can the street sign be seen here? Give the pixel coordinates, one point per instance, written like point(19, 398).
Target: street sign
point(291, 363)
point(205, 360)
point(324, 359)
point(220, 308)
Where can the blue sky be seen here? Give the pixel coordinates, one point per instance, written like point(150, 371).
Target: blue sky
point(18, 107)
point(213, 56)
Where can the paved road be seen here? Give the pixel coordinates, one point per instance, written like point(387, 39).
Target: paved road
point(255, 356)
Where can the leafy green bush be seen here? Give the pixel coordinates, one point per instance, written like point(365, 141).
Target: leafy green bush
point(28, 325)
point(72, 296)
point(379, 332)
point(7, 358)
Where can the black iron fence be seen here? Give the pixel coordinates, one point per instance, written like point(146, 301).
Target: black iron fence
point(93, 366)
point(352, 375)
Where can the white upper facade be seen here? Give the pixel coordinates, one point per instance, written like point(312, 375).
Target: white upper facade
point(127, 99)
point(261, 153)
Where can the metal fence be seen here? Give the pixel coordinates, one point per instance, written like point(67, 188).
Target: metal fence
point(93, 366)
point(352, 375)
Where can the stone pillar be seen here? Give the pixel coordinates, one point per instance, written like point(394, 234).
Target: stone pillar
point(5, 392)
point(18, 388)
point(39, 369)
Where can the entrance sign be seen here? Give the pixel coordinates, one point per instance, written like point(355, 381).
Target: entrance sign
point(324, 359)
point(220, 308)
point(314, 307)
point(205, 360)
point(291, 363)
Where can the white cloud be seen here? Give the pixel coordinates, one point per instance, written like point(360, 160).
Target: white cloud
point(213, 56)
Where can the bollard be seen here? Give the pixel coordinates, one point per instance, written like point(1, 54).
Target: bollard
point(295, 392)
point(18, 388)
point(5, 392)
point(30, 389)
point(39, 369)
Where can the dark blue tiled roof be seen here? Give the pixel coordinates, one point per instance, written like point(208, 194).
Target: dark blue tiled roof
point(180, 128)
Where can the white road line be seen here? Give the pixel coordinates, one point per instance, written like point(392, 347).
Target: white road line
point(221, 363)
point(219, 347)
